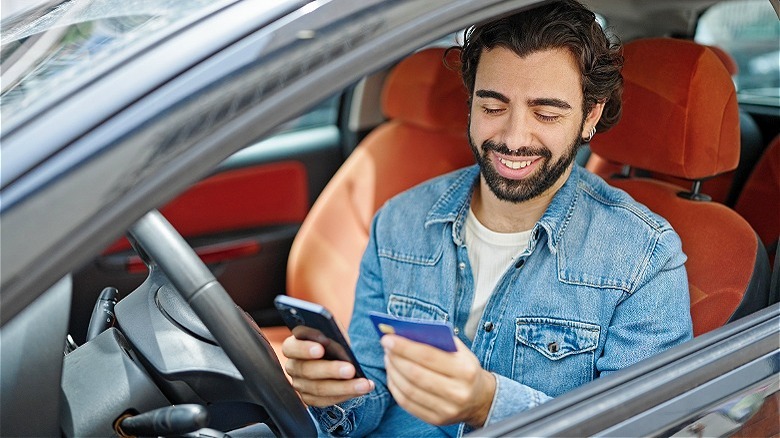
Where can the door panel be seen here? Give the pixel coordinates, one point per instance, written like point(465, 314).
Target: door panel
point(241, 220)
point(239, 199)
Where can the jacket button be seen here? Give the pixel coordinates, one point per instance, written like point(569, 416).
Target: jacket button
point(456, 331)
point(488, 326)
point(552, 347)
point(462, 266)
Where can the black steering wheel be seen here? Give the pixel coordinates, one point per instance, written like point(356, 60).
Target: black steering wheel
point(247, 349)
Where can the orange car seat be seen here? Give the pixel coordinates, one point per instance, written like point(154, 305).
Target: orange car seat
point(425, 136)
point(723, 188)
point(680, 118)
point(759, 202)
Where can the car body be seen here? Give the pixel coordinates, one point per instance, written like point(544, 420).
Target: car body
point(187, 113)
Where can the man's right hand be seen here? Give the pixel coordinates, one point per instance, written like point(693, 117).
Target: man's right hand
point(321, 382)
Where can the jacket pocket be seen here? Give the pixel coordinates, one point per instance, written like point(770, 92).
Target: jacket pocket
point(408, 307)
point(554, 355)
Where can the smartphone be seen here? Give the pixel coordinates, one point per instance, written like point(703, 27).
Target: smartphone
point(312, 322)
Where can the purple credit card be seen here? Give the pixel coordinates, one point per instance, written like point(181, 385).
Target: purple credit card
point(435, 333)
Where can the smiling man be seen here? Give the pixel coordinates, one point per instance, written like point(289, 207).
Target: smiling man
point(551, 277)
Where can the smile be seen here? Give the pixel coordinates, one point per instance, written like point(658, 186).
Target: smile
point(514, 164)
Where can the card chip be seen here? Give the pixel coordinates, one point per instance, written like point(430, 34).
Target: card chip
point(386, 329)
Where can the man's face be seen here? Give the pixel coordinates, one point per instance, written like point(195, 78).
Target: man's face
point(526, 120)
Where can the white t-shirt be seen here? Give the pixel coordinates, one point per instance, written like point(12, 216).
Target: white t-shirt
point(490, 254)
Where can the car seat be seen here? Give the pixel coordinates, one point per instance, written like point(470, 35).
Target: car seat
point(680, 119)
point(723, 188)
point(425, 136)
point(759, 202)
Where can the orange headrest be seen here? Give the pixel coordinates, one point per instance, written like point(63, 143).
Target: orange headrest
point(725, 57)
point(680, 114)
point(423, 91)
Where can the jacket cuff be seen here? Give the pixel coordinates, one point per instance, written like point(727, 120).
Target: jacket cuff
point(512, 397)
point(337, 420)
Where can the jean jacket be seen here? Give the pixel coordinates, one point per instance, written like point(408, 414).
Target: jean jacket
point(601, 286)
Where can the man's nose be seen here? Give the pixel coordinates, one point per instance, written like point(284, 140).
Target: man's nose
point(517, 131)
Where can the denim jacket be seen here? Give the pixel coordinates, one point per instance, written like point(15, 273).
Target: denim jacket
point(601, 286)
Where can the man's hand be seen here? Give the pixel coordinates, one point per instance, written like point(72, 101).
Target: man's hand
point(321, 382)
point(436, 386)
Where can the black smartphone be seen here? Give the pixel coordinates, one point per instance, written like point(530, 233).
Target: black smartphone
point(312, 322)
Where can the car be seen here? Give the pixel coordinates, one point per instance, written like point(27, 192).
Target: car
point(127, 125)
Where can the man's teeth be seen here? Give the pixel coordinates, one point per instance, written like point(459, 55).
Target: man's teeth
point(514, 164)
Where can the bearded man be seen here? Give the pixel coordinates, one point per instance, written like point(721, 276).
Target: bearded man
point(550, 277)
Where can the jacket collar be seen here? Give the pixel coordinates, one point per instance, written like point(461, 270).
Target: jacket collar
point(453, 204)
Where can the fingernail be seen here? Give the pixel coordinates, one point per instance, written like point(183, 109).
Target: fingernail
point(362, 386)
point(346, 371)
point(315, 351)
point(387, 342)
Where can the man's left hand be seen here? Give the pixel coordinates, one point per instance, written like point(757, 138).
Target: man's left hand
point(436, 386)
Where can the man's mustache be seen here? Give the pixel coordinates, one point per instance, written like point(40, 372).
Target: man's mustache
point(523, 151)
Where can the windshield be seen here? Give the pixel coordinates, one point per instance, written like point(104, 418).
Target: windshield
point(50, 48)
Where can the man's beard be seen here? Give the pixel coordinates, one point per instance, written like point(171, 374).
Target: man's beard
point(534, 185)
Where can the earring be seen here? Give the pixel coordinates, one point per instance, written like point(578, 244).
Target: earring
point(590, 137)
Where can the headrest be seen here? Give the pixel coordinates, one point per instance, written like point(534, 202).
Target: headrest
point(425, 92)
point(728, 61)
point(680, 114)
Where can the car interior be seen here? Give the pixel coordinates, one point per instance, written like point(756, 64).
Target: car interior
point(690, 95)
point(705, 144)
point(291, 214)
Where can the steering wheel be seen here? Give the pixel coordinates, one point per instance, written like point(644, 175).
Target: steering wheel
point(249, 351)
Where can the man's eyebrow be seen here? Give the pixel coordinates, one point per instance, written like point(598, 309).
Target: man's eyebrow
point(490, 94)
point(549, 101)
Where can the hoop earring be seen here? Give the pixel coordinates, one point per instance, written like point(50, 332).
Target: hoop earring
point(590, 137)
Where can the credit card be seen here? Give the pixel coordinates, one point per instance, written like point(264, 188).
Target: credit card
point(435, 333)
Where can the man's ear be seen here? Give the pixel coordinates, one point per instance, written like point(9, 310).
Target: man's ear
point(593, 117)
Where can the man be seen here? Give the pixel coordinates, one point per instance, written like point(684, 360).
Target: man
point(550, 277)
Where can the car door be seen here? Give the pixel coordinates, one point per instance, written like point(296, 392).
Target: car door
point(241, 219)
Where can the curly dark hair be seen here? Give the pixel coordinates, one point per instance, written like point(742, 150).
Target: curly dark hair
point(559, 24)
